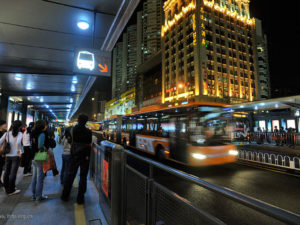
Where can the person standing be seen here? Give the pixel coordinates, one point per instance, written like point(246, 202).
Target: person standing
point(80, 157)
point(38, 142)
point(27, 156)
point(12, 159)
point(3, 129)
point(66, 141)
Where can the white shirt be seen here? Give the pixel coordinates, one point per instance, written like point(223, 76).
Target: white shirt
point(15, 143)
point(26, 139)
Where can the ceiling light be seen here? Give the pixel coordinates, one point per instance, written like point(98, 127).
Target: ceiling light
point(73, 88)
point(71, 100)
point(74, 81)
point(83, 25)
point(28, 88)
point(18, 76)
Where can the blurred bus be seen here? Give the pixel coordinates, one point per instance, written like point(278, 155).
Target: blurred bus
point(196, 134)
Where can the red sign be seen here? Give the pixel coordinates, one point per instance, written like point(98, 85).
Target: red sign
point(105, 177)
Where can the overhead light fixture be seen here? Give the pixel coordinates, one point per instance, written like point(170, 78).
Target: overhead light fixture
point(74, 81)
point(18, 76)
point(83, 25)
point(73, 88)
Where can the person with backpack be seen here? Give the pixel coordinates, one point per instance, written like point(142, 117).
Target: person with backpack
point(66, 141)
point(80, 157)
point(38, 144)
point(3, 129)
point(12, 158)
point(27, 156)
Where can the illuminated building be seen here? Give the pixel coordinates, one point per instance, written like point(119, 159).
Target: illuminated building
point(264, 88)
point(149, 22)
point(122, 105)
point(124, 63)
point(208, 51)
point(117, 70)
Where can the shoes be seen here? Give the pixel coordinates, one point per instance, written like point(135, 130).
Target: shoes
point(27, 174)
point(80, 201)
point(33, 198)
point(15, 192)
point(44, 197)
point(63, 198)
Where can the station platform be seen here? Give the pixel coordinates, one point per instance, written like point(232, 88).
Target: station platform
point(20, 209)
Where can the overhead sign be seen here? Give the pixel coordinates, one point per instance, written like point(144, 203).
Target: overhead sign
point(92, 62)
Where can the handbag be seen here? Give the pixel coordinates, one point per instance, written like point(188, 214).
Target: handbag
point(41, 156)
point(5, 147)
point(52, 143)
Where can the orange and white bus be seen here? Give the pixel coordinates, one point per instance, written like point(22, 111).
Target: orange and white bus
point(196, 134)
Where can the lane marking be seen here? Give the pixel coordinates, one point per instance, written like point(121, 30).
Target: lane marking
point(269, 169)
point(79, 214)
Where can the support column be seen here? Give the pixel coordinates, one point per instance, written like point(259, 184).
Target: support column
point(3, 106)
point(24, 113)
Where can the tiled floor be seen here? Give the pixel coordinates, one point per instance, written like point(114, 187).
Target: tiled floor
point(20, 209)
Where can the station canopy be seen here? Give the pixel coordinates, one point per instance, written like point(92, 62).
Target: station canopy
point(270, 104)
point(38, 41)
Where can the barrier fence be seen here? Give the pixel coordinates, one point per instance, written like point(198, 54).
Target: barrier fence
point(130, 193)
point(278, 160)
point(283, 139)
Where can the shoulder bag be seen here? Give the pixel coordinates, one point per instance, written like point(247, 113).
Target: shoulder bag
point(5, 147)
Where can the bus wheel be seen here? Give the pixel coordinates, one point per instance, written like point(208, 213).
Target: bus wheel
point(160, 153)
point(124, 143)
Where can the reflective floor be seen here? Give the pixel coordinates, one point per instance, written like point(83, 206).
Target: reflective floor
point(20, 209)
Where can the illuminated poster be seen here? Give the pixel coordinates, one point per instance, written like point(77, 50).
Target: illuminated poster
point(92, 62)
point(105, 177)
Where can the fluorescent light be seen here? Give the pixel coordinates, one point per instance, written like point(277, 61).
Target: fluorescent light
point(83, 25)
point(74, 81)
point(18, 76)
point(73, 88)
point(71, 100)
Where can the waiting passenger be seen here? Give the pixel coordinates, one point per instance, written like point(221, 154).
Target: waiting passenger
point(3, 129)
point(28, 155)
point(12, 159)
point(66, 141)
point(38, 143)
point(80, 153)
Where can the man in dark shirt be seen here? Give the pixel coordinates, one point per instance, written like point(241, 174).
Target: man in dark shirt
point(82, 137)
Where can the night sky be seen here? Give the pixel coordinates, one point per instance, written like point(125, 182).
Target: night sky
point(281, 24)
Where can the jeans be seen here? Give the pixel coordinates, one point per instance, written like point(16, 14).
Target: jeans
point(75, 163)
point(10, 175)
point(37, 180)
point(2, 162)
point(66, 160)
point(27, 157)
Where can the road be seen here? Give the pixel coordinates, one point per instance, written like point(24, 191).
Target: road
point(273, 187)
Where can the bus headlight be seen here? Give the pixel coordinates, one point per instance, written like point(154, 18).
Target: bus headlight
point(233, 152)
point(199, 156)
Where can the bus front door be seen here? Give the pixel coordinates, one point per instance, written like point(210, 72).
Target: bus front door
point(178, 140)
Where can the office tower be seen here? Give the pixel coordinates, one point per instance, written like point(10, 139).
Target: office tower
point(208, 51)
point(117, 70)
point(149, 22)
point(264, 87)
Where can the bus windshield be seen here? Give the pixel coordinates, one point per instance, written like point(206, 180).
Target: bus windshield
point(210, 129)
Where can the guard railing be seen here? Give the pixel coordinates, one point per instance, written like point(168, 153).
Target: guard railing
point(131, 193)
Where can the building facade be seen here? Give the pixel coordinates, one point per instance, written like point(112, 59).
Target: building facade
point(117, 70)
point(208, 51)
point(264, 84)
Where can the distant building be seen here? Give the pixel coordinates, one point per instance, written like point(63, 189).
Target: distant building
point(264, 86)
point(208, 51)
point(149, 82)
point(117, 70)
point(149, 22)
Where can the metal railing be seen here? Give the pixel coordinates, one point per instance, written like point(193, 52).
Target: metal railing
point(290, 140)
point(271, 159)
point(137, 197)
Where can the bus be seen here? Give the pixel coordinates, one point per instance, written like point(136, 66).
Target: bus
point(195, 134)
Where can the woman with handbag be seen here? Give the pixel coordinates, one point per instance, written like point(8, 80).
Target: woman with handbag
point(3, 128)
point(38, 147)
point(12, 156)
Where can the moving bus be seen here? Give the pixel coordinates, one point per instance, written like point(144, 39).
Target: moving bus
point(196, 134)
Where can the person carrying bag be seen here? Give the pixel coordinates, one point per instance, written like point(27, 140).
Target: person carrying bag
point(41, 155)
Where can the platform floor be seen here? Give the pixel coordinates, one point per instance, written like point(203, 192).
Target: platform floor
point(20, 209)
